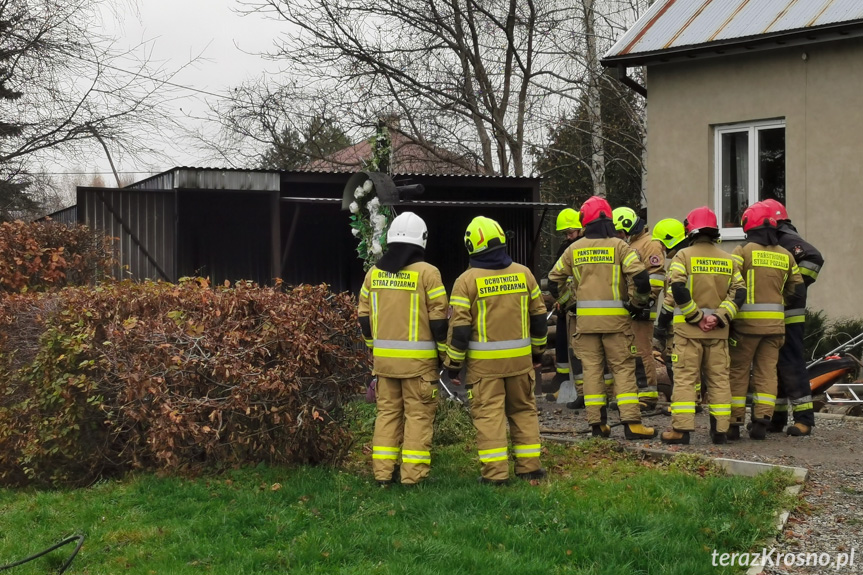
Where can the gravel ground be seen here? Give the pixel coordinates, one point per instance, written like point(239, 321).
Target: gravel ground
point(831, 518)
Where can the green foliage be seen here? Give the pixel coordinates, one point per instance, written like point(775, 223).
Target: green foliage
point(292, 149)
point(127, 375)
point(823, 335)
point(564, 163)
point(601, 511)
point(452, 424)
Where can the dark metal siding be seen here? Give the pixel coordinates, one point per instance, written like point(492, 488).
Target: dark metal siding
point(142, 223)
point(67, 216)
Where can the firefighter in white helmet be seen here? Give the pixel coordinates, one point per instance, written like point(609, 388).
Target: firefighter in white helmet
point(403, 315)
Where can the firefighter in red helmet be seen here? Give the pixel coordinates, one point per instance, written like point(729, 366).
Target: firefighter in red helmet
point(758, 330)
point(600, 264)
point(705, 291)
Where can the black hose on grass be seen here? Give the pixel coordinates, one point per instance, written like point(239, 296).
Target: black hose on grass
point(66, 541)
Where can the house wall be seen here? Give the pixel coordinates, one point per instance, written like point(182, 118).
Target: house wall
point(821, 100)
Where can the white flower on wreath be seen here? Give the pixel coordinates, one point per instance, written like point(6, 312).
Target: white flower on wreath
point(374, 204)
point(376, 248)
point(368, 186)
point(359, 192)
point(356, 232)
point(379, 221)
point(354, 207)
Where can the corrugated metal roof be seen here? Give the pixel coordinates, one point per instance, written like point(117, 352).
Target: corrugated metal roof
point(677, 24)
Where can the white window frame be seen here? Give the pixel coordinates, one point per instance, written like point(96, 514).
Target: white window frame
point(752, 129)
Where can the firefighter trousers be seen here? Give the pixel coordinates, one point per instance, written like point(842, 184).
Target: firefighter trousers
point(697, 360)
point(404, 426)
point(643, 331)
point(617, 350)
point(574, 363)
point(496, 402)
point(561, 345)
point(761, 354)
point(794, 391)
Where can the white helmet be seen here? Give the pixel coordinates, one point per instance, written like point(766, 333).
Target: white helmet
point(408, 228)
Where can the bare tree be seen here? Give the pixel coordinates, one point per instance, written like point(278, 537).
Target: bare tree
point(467, 76)
point(73, 88)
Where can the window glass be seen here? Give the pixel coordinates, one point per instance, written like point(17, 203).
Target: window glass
point(771, 164)
point(735, 177)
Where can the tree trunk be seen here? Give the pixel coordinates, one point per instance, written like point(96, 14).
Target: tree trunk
point(594, 106)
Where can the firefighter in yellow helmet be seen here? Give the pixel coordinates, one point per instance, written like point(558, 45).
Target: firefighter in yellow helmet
point(498, 327)
point(600, 264)
point(671, 235)
point(567, 366)
point(403, 315)
point(705, 291)
point(651, 252)
point(758, 331)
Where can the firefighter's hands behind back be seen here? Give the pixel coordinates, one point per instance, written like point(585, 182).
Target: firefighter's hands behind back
point(708, 322)
point(454, 376)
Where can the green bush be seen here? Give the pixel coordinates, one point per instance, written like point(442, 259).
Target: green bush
point(823, 335)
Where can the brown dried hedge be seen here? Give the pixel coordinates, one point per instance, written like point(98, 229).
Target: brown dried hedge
point(44, 255)
point(98, 381)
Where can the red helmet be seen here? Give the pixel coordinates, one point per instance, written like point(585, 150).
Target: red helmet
point(593, 209)
point(700, 219)
point(779, 212)
point(758, 215)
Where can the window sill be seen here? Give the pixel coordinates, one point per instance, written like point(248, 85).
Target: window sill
point(732, 234)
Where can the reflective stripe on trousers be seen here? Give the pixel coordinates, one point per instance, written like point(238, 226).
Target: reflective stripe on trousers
point(489, 455)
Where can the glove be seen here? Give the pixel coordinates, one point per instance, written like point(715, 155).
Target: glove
point(660, 333)
point(536, 358)
point(634, 311)
point(454, 375)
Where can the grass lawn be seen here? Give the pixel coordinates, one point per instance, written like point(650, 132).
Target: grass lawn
point(600, 512)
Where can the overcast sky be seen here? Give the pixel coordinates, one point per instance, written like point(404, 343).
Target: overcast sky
point(177, 31)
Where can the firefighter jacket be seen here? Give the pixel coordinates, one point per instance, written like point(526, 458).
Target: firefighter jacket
point(652, 255)
point(403, 318)
point(809, 261)
point(703, 280)
point(771, 279)
point(599, 268)
point(498, 322)
point(564, 296)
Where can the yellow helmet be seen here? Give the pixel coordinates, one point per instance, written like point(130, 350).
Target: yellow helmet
point(483, 235)
point(624, 219)
point(670, 232)
point(568, 219)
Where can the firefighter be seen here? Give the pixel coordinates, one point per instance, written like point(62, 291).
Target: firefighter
point(568, 223)
point(705, 291)
point(651, 252)
point(600, 264)
point(794, 389)
point(758, 330)
point(499, 328)
point(402, 312)
point(671, 235)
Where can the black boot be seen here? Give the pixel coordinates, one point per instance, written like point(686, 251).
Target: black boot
point(535, 475)
point(733, 433)
point(577, 404)
point(600, 430)
point(758, 431)
point(717, 437)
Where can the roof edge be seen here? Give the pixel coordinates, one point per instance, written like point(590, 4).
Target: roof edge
point(717, 48)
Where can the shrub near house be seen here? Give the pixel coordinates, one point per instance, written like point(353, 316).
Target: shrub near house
point(99, 380)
